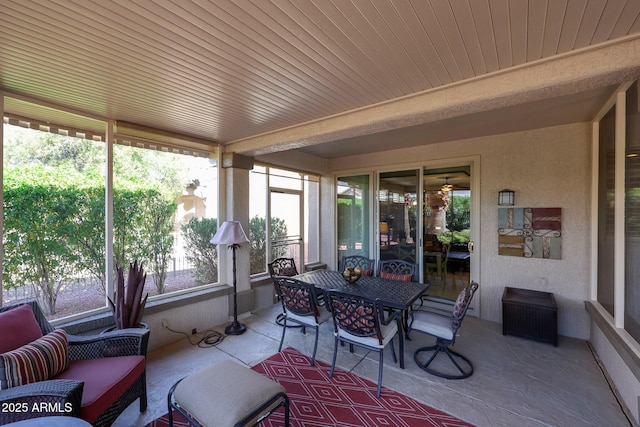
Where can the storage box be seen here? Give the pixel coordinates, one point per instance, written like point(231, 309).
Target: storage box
point(530, 314)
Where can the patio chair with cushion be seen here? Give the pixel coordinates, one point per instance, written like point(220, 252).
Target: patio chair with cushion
point(94, 377)
point(444, 326)
point(300, 305)
point(360, 321)
point(366, 264)
point(283, 267)
point(397, 269)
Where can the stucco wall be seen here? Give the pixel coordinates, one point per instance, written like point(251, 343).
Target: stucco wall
point(548, 167)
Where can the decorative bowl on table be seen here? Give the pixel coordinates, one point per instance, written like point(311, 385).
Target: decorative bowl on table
point(352, 274)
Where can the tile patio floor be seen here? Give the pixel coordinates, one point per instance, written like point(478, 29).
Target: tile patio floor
point(516, 382)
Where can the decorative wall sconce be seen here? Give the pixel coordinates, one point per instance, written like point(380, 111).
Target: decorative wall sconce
point(506, 198)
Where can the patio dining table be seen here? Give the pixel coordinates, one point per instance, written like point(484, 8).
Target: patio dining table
point(394, 294)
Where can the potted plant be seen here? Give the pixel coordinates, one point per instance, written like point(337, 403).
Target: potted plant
point(128, 304)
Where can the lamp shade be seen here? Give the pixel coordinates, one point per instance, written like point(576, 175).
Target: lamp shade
point(230, 233)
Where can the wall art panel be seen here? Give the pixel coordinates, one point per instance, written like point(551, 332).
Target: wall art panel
point(530, 232)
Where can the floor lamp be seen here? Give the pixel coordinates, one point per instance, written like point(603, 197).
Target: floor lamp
point(232, 235)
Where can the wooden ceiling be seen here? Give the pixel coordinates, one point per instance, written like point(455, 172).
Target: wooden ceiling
point(229, 71)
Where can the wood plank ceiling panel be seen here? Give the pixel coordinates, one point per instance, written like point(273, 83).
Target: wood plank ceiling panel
point(502, 30)
point(609, 20)
point(370, 38)
point(518, 21)
point(627, 19)
point(571, 25)
point(450, 72)
point(556, 10)
point(466, 25)
point(420, 46)
point(233, 69)
point(354, 46)
point(454, 42)
point(401, 43)
point(589, 24)
point(327, 54)
point(536, 19)
point(483, 22)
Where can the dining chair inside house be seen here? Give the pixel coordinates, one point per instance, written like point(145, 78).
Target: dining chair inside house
point(436, 260)
point(300, 305)
point(444, 326)
point(360, 321)
point(366, 264)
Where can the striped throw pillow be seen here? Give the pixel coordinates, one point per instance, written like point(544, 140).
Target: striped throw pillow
point(39, 360)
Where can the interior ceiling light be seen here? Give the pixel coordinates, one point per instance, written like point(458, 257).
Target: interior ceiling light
point(446, 187)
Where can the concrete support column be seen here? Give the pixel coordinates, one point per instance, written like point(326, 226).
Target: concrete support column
point(236, 208)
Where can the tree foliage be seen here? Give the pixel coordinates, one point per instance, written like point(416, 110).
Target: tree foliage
point(54, 211)
point(38, 219)
point(458, 215)
point(197, 234)
point(258, 238)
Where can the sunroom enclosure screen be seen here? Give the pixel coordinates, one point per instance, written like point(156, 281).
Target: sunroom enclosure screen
point(55, 188)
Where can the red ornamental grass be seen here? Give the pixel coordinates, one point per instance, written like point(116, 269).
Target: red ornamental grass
point(128, 306)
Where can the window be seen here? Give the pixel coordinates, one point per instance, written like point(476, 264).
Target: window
point(53, 224)
point(165, 204)
point(606, 204)
point(632, 215)
point(165, 210)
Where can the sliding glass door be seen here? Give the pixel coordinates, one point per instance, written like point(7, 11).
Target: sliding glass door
point(398, 234)
point(448, 246)
point(423, 216)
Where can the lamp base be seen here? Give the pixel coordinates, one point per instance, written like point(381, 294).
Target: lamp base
point(236, 328)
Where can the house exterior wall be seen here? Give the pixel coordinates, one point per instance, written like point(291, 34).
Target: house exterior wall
point(548, 167)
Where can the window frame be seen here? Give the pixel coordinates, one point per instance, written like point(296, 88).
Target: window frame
point(305, 209)
point(618, 100)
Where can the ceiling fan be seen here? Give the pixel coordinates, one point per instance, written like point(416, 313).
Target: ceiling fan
point(446, 187)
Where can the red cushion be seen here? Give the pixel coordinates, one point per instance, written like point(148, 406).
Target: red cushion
point(18, 327)
point(105, 380)
point(392, 276)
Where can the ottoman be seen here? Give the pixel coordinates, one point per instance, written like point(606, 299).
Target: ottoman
point(226, 394)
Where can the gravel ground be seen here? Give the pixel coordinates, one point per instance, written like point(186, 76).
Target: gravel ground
point(79, 300)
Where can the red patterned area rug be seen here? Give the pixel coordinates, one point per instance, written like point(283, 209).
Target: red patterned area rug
point(346, 400)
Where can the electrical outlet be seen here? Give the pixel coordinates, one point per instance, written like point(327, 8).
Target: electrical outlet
point(165, 323)
point(193, 331)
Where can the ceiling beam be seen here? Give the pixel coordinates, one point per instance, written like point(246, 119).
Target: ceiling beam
point(571, 73)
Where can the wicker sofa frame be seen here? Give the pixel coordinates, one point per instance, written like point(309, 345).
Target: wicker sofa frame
point(59, 392)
